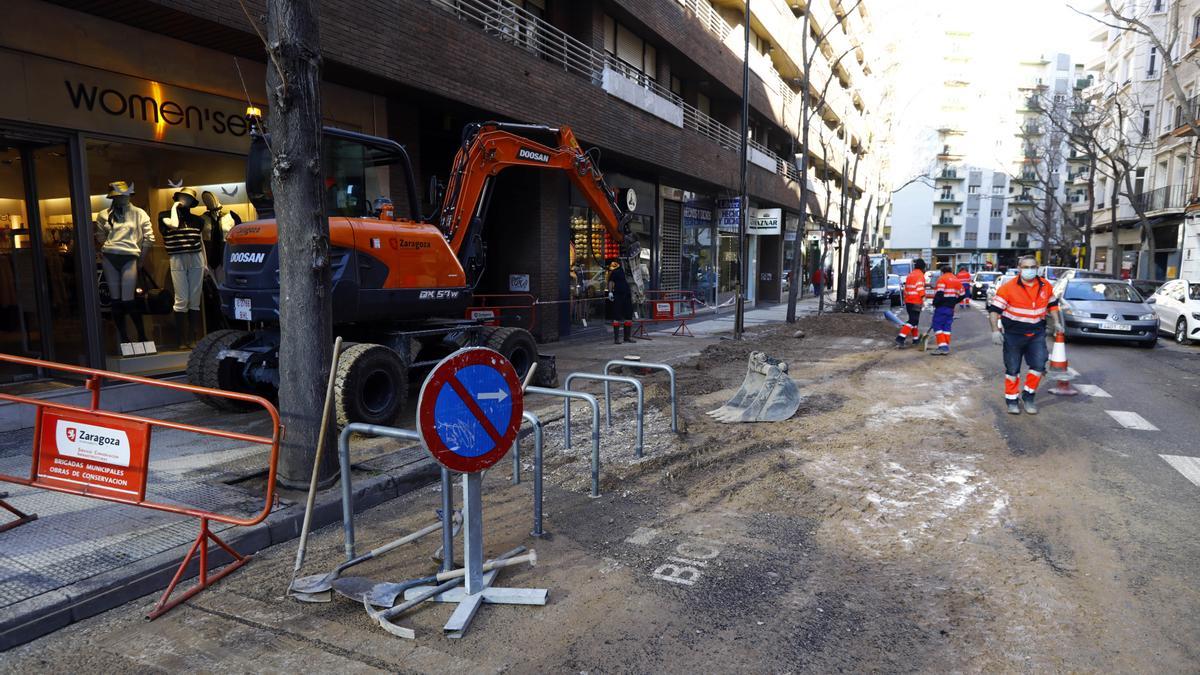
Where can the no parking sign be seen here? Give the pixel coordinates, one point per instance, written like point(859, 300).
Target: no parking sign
point(469, 410)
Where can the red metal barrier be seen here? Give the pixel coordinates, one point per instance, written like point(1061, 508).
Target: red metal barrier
point(105, 455)
point(668, 306)
point(504, 309)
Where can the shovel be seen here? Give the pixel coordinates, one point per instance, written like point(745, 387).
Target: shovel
point(317, 587)
point(766, 395)
point(453, 578)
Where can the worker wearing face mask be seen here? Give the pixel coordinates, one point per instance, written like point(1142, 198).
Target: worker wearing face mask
point(1020, 314)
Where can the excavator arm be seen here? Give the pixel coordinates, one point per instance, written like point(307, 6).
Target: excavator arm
point(492, 147)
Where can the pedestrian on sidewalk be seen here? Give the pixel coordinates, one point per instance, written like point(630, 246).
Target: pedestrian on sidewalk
point(1020, 314)
point(621, 296)
point(947, 294)
point(914, 300)
point(818, 281)
point(964, 277)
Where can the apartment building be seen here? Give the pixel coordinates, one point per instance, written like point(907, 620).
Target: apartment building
point(155, 89)
point(957, 211)
point(1045, 218)
point(1143, 225)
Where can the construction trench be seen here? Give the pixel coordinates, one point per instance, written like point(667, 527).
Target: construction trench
point(886, 524)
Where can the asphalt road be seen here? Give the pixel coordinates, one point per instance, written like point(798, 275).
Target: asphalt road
point(1148, 520)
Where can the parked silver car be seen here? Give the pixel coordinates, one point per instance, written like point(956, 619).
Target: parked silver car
point(1106, 309)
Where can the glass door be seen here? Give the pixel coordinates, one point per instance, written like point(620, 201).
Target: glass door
point(40, 307)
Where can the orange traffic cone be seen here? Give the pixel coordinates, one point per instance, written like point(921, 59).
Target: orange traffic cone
point(1058, 368)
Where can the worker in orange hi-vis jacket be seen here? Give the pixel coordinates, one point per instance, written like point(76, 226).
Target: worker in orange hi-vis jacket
point(964, 278)
point(914, 300)
point(1020, 314)
point(947, 293)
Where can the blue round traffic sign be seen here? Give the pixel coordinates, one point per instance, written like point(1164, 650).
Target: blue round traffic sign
point(469, 409)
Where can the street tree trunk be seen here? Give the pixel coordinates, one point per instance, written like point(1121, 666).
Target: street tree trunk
point(305, 310)
point(802, 169)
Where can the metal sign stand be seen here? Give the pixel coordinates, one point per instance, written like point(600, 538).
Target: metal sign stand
point(469, 412)
point(478, 588)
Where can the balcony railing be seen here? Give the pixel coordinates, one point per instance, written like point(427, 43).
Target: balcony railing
point(1166, 197)
point(1184, 116)
point(522, 29)
point(948, 174)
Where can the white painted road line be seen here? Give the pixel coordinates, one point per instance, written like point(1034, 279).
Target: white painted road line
point(1092, 390)
point(1188, 466)
point(1131, 420)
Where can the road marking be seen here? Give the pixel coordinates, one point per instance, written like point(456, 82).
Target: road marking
point(1092, 390)
point(1188, 466)
point(1131, 420)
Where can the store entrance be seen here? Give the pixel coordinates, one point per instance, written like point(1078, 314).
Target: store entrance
point(40, 315)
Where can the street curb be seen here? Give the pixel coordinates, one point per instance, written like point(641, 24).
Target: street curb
point(30, 619)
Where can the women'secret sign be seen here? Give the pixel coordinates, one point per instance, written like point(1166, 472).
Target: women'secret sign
point(92, 455)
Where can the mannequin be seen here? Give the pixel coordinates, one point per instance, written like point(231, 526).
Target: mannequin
point(217, 223)
point(181, 236)
point(125, 235)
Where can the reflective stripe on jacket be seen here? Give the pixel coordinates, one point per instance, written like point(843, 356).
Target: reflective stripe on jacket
point(947, 291)
point(914, 287)
point(1023, 308)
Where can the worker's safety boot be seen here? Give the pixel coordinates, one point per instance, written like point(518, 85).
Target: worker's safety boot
point(629, 331)
point(1028, 402)
point(1014, 407)
point(616, 333)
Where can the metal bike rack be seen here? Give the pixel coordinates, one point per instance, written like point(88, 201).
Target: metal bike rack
point(537, 470)
point(590, 400)
point(637, 385)
point(654, 366)
point(348, 492)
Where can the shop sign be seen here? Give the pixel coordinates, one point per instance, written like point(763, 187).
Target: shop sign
point(765, 221)
point(88, 99)
point(729, 214)
point(91, 455)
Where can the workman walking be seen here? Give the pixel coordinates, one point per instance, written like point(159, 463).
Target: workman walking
point(1019, 314)
point(914, 300)
point(964, 278)
point(621, 296)
point(948, 292)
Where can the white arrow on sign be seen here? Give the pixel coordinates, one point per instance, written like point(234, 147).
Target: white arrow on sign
point(498, 395)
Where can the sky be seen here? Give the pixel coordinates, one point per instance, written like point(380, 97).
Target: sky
point(1002, 34)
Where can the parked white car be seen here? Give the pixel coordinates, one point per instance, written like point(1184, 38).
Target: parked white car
point(1177, 304)
point(1004, 279)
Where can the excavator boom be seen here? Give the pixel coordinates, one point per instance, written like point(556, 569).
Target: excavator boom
point(492, 147)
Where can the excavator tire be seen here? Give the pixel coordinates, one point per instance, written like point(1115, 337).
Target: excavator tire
point(371, 385)
point(205, 370)
point(516, 345)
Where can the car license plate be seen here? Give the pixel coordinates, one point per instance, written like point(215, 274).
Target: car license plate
point(241, 309)
point(1115, 326)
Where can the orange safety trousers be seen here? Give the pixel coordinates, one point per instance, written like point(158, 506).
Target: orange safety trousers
point(1012, 384)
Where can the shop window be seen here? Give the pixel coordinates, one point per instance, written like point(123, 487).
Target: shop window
point(40, 315)
point(698, 268)
point(157, 174)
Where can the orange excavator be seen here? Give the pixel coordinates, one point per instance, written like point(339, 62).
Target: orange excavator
point(400, 286)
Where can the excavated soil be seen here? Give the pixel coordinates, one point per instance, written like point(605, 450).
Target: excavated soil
point(887, 526)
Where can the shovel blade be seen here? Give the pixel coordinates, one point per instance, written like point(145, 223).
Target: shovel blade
point(767, 394)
